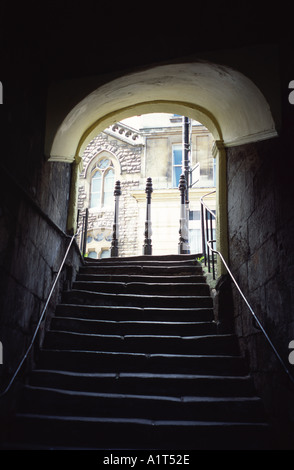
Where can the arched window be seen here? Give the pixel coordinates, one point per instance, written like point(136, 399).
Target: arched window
point(105, 254)
point(96, 189)
point(108, 187)
point(102, 183)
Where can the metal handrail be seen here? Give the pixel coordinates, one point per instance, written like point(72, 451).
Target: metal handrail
point(252, 312)
point(205, 229)
point(40, 320)
point(203, 203)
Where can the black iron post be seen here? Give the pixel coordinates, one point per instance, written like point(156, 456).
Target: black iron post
point(186, 170)
point(85, 234)
point(147, 247)
point(114, 241)
point(78, 218)
point(82, 235)
point(212, 242)
point(186, 155)
point(183, 246)
point(203, 233)
point(207, 238)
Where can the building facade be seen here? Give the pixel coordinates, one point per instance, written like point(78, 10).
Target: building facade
point(130, 152)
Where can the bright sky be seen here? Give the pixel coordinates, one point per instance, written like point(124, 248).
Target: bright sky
point(151, 120)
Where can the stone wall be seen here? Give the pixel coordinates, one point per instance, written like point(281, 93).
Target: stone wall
point(31, 259)
point(128, 220)
point(33, 213)
point(261, 234)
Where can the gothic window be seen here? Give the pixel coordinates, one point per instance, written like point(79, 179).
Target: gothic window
point(102, 183)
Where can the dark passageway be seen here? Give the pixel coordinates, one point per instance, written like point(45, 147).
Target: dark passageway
point(62, 84)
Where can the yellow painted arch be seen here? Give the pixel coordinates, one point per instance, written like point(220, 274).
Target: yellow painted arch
point(229, 104)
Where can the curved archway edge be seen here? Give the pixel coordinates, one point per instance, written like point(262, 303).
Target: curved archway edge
point(229, 104)
point(187, 109)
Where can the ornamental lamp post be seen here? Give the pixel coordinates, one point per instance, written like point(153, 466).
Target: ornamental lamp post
point(183, 245)
point(186, 170)
point(147, 247)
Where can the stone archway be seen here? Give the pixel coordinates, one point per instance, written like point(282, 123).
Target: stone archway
point(228, 103)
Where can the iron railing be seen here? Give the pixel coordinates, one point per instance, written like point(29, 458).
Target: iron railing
point(207, 233)
point(209, 251)
point(256, 319)
point(42, 317)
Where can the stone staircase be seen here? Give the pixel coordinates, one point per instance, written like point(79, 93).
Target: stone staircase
point(133, 360)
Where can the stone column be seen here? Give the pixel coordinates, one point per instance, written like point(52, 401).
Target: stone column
point(73, 198)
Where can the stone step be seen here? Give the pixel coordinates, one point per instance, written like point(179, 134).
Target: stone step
point(127, 278)
point(145, 383)
point(211, 344)
point(107, 405)
point(117, 362)
point(199, 289)
point(147, 260)
point(175, 258)
point(138, 269)
point(51, 431)
point(132, 359)
point(84, 297)
point(111, 327)
point(131, 313)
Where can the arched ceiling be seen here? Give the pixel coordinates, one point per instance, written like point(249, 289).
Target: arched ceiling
point(224, 100)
